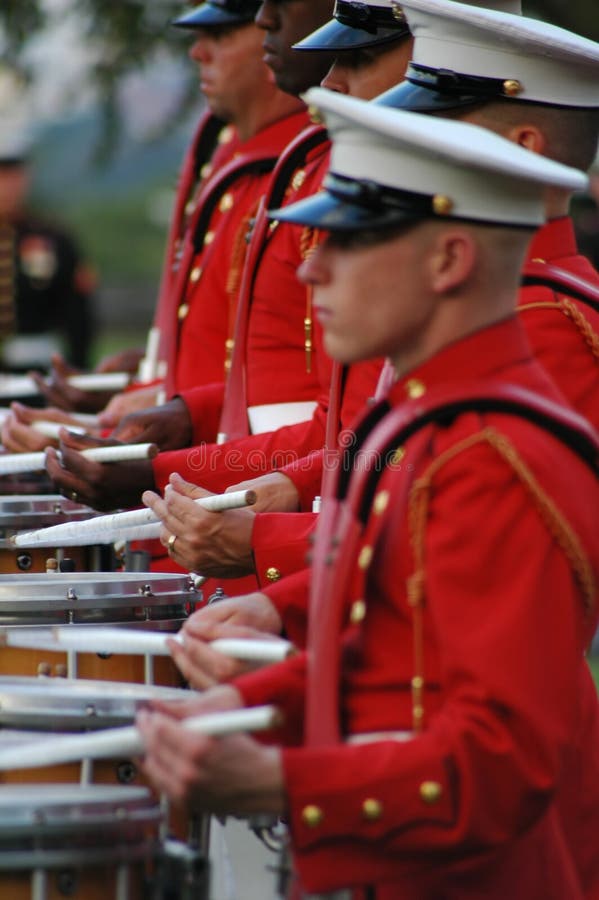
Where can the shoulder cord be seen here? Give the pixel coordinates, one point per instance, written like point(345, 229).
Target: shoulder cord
point(571, 311)
point(309, 239)
point(238, 254)
point(418, 508)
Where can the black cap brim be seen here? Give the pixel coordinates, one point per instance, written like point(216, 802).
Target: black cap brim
point(323, 210)
point(211, 14)
point(335, 36)
point(416, 98)
point(13, 162)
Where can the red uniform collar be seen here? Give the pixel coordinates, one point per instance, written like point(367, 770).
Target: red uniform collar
point(482, 354)
point(553, 241)
point(275, 136)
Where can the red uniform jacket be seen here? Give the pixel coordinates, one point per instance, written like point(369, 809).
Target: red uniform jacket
point(468, 619)
point(195, 167)
point(276, 305)
point(564, 333)
point(204, 306)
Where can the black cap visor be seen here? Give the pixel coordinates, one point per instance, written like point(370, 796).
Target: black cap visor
point(337, 36)
point(13, 162)
point(346, 204)
point(415, 98)
point(213, 14)
point(428, 90)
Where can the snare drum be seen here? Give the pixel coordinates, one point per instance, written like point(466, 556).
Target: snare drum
point(28, 513)
point(32, 707)
point(158, 601)
point(93, 843)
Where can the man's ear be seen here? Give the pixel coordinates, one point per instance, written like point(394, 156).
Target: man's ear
point(528, 136)
point(452, 260)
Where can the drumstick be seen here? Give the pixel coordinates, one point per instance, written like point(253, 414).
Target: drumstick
point(116, 526)
point(52, 429)
point(134, 641)
point(127, 741)
point(23, 385)
point(11, 463)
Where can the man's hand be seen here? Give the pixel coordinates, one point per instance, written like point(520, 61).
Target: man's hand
point(228, 775)
point(103, 486)
point(274, 491)
point(252, 616)
point(58, 391)
point(214, 543)
point(126, 404)
point(122, 361)
point(19, 435)
point(167, 426)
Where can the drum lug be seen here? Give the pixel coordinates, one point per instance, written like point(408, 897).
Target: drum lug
point(24, 562)
point(72, 594)
point(146, 590)
point(66, 883)
point(126, 772)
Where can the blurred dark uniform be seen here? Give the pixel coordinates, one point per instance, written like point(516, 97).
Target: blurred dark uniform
point(45, 293)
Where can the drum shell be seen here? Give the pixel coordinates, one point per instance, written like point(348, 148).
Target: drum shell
point(29, 512)
point(149, 600)
point(77, 843)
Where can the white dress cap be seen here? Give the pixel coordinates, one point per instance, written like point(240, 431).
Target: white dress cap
point(389, 166)
point(533, 60)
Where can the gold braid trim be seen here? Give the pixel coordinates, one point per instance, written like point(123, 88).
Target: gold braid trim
point(309, 238)
point(238, 254)
point(418, 508)
point(572, 312)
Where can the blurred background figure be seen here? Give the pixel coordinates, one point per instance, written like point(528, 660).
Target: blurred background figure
point(45, 285)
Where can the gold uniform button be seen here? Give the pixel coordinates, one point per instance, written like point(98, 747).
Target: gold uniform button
point(183, 311)
point(206, 170)
point(208, 238)
point(381, 502)
point(430, 792)
point(415, 389)
point(298, 179)
point(195, 274)
point(512, 87)
point(372, 809)
point(538, 259)
point(365, 557)
point(312, 816)
point(315, 116)
point(358, 612)
point(190, 207)
point(226, 202)
point(397, 456)
point(226, 135)
point(272, 574)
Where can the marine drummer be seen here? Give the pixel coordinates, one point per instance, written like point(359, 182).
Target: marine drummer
point(425, 750)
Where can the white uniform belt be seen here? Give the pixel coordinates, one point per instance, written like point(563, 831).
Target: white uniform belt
point(271, 416)
point(370, 737)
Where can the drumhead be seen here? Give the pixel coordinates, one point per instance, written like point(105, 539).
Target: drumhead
point(22, 512)
point(52, 704)
point(94, 597)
